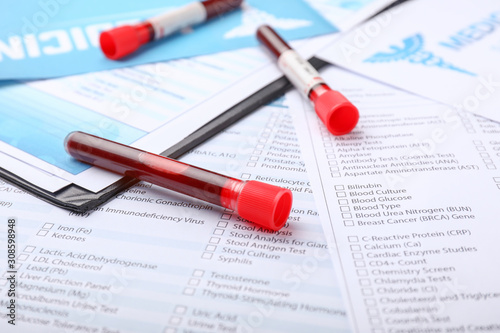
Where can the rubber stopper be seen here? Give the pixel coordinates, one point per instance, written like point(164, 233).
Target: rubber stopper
point(119, 42)
point(265, 204)
point(338, 114)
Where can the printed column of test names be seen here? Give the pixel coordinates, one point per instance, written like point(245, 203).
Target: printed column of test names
point(155, 261)
point(409, 202)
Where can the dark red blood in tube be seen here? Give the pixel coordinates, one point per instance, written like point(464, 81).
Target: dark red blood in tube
point(338, 114)
point(258, 202)
point(119, 42)
point(218, 7)
point(272, 40)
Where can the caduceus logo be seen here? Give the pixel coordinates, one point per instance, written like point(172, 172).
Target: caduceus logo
point(413, 52)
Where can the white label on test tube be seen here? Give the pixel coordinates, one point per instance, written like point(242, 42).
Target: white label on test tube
point(180, 18)
point(300, 72)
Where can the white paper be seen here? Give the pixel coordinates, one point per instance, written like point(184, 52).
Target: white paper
point(347, 14)
point(165, 99)
point(145, 99)
point(445, 50)
point(409, 202)
point(30, 173)
point(152, 260)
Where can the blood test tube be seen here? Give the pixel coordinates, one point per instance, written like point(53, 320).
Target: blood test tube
point(121, 41)
point(261, 203)
point(338, 114)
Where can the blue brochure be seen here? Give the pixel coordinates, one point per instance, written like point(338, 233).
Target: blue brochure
point(50, 38)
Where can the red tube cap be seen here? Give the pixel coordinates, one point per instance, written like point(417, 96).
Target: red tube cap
point(265, 204)
point(119, 42)
point(338, 114)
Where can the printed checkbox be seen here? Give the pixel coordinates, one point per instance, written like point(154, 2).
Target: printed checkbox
point(480, 148)
point(207, 255)
point(375, 321)
point(487, 160)
point(331, 156)
point(180, 309)
point(491, 166)
point(229, 210)
point(327, 144)
point(336, 174)
point(251, 164)
point(48, 226)
point(378, 330)
point(349, 223)
point(189, 291)
point(254, 158)
point(194, 282)
point(245, 176)
point(174, 320)
point(359, 263)
point(170, 330)
point(339, 188)
point(355, 248)
point(219, 232)
point(362, 272)
point(498, 185)
point(29, 249)
point(326, 138)
point(353, 239)
point(260, 146)
point(477, 142)
point(214, 240)
point(343, 202)
point(22, 257)
point(496, 179)
point(471, 131)
point(226, 216)
point(17, 266)
point(329, 151)
point(367, 291)
point(346, 215)
point(262, 141)
point(42, 233)
point(365, 282)
point(357, 256)
point(5, 275)
point(372, 312)
point(334, 168)
point(210, 248)
point(345, 209)
point(370, 302)
point(257, 152)
point(484, 155)
point(198, 272)
point(222, 224)
point(333, 163)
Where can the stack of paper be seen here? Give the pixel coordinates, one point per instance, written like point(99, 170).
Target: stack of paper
point(393, 227)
